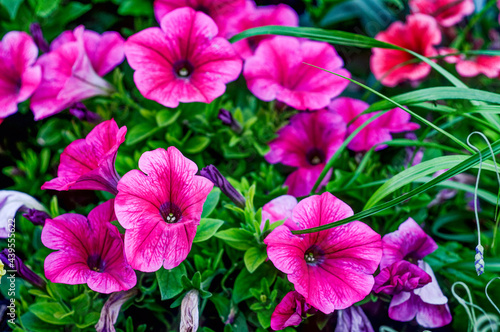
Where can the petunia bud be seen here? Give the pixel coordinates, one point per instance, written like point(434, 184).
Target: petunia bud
point(189, 312)
point(41, 43)
point(15, 263)
point(227, 119)
point(111, 310)
point(212, 173)
point(80, 111)
point(36, 217)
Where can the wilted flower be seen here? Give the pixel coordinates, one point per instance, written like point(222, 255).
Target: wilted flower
point(160, 207)
point(353, 319)
point(290, 311)
point(90, 251)
point(111, 310)
point(333, 268)
point(420, 34)
point(378, 131)
point(183, 61)
point(89, 163)
point(308, 142)
point(37, 217)
point(190, 319)
point(279, 208)
point(19, 75)
point(10, 202)
point(277, 71)
point(400, 276)
point(446, 12)
point(15, 263)
point(212, 173)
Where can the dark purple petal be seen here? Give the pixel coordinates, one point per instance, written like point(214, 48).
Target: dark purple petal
point(15, 263)
point(36, 217)
point(227, 119)
point(37, 34)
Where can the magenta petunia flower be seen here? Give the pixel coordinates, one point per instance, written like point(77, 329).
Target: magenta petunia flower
point(183, 61)
point(290, 311)
point(19, 76)
point(277, 71)
point(219, 10)
point(68, 72)
point(258, 16)
point(378, 131)
point(446, 12)
point(409, 242)
point(400, 276)
point(160, 208)
point(278, 209)
point(420, 34)
point(333, 268)
point(307, 143)
point(427, 304)
point(90, 251)
point(89, 163)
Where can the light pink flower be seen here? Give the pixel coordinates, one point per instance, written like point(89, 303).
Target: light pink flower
point(278, 209)
point(427, 304)
point(90, 250)
point(446, 12)
point(290, 311)
point(160, 208)
point(219, 10)
point(333, 268)
point(307, 142)
point(19, 76)
point(89, 163)
point(400, 276)
point(68, 73)
point(378, 131)
point(183, 61)
point(277, 71)
point(420, 34)
point(258, 16)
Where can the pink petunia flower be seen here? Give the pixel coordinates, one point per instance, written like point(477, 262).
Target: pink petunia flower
point(183, 61)
point(474, 65)
point(277, 71)
point(290, 311)
point(258, 16)
point(420, 34)
point(400, 276)
point(72, 71)
point(378, 131)
point(427, 304)
point(19, 76)
point(278, 209)
point(333, 268)
point(160, 208)
point(307, 143)
point(219, 10)
point(89, 163)
point(446, 12)
point(90, 251)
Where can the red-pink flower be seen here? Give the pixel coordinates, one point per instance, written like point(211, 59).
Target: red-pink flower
point(446, 12)
point(474, 65)
point(277, 71)
point(278, 209)
point(183, 61)
point(219, 10)
point(420, 34)
point(378, 131)
point(307, 142)
point(160, 208)
point(89, 163)
point(72, 71)
point(19, 76)
point(90, 250)
point(290, 311)
point(258, 16)
point(333, 268)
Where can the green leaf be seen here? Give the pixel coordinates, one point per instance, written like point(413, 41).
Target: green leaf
point(166, 117)
point(81, 302)
point(169, 281)
point(90, 319)
point(135, 8)
point(70, 12)
point(46, 7)
point(246, 280)
point(196, 144)
point(140, 132)
point(207, 228)
point(12, 6)
point(211, 202)
point(237, 238)
point(33, 323)
point(254, 257)
point(52, 313)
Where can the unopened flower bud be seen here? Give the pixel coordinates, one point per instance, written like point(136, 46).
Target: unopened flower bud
point(12, 262)
point(36, 217)
point(41, 43)
point(227, 119)
point(189, 312)
point(212, 173)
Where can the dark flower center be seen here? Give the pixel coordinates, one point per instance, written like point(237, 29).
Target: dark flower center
point(170, 212)
point(315, 156)
point(183, 68)
point(204, 9)
point(314, 255)
point(96, 263)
